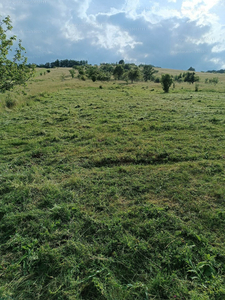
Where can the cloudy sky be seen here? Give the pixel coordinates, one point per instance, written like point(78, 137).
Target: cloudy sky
point(167, 33)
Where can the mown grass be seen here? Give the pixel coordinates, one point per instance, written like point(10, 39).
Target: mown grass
point(112, 193)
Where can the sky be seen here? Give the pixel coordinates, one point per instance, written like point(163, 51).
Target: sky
point(174, 34)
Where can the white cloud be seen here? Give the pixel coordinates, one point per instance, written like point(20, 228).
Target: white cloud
point(71, 32)
point(198, 10)
point(131, 7)
point(82, 11)
point(218, 48)
point(219, 62)
point(158, 32)
point(111, 37)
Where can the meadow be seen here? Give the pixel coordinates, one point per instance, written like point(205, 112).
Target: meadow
point(111, 190)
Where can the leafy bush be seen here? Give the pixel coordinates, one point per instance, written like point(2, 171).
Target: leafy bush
point(196, 87)
point(10, 102)
point(166, 82)
point(81, 77)
point(157, 80)
point(72, 73)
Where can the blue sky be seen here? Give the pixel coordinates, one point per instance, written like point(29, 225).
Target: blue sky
point(167, 33)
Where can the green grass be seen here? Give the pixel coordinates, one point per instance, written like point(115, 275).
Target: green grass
point(112, 193)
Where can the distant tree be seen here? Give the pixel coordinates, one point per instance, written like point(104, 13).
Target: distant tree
point(121, 62)
point(190, 77)
point(148, 72)
point(90, 71)
point(81, 71)
point(178, 78)
point(106, 68)
point(99, 73)
point(12, 71)
point(134, 74)
point(219, 71)
point(57, 63)
point(125, 76)
point(68, 63)
point(214, 80)
point(127, 67)
point(47, 65)
point(103, 76)
point(166, 81)
point(118, 72)
point(191, 69)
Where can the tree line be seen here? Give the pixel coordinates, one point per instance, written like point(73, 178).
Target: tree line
point(66, 63)
point(119, 71)
point(219, 71)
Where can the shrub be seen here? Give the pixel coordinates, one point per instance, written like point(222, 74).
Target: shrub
point(10, 102)
point(72, 73)
point(196, 87)
point(93, 77)
point(166, 82)
point(157, 80)
point(63, 77)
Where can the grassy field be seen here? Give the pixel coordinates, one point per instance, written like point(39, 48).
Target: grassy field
point(112, 193)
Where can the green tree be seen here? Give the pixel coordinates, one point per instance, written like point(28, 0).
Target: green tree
point(190, 77)
point(166, 81)
point(103, 76)
point(106, 68)
point(92, 71)
point(12, 71)
point(125, 76)
point(57, 63)
point(127, 67)
point(134, 74)
point(148, 72)
point(81, 71)
point(118, 71)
